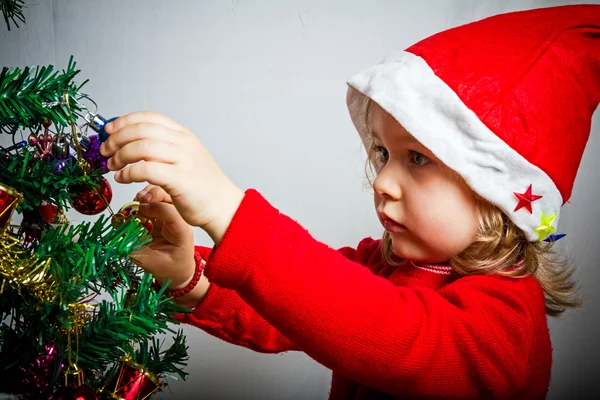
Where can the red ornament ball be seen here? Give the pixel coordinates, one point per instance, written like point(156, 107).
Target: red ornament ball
point(82, 392)
point(91, 201)
point(48, 211)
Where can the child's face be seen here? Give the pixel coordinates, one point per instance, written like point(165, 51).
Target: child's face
point(428, 210)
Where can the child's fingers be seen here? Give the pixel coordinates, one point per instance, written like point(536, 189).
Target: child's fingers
point(159, 194)
point(177, 230)
point(138, 131)
point(153, 193)
point(155, 173)
point(139, 196)
point(161, 211)
point(139, 256)
point(142, 116)
point(144, 150)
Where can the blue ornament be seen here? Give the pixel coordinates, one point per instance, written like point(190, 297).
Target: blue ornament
point(16, 146)
point(554, 238)
point(97, 123)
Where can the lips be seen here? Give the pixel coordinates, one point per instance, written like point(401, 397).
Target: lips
point(390, 225)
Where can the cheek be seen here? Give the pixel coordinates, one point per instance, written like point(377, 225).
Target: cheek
point(449, 216)
point(461, 223)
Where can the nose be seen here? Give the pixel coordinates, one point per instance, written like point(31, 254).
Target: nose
point(387, 183)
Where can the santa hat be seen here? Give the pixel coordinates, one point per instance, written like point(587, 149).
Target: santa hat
point(506, 102)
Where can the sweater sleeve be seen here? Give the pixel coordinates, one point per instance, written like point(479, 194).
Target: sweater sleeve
point(225, 315)
point(472, 340)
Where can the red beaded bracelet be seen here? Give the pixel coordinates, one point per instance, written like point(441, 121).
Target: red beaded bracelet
point(200, 264)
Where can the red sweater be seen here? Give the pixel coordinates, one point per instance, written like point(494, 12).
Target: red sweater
point(406, 332)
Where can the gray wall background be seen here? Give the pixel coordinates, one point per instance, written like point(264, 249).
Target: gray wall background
point(262, 83)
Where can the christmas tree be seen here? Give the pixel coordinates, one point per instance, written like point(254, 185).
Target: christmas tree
point(79, 317)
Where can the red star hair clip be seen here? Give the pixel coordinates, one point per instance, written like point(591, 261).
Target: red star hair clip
point(525, 199)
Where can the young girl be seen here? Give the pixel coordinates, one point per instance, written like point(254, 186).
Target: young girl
point(475, 135)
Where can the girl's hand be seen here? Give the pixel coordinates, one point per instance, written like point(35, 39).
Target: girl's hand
point(150, 147)
point(170, 255)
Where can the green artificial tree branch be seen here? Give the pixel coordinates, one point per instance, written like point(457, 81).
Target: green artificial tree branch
point(12, 10)
point(28, 97)
point(115, 325)
point(164, 362)
point(83, 256)
point(81, 262)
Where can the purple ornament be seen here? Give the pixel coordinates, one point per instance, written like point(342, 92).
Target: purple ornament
point(93, 157)
point(61, 163)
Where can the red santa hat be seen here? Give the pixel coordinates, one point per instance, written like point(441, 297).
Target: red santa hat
point(506, 102)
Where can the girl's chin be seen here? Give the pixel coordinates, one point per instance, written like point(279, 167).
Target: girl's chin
point(416, 255)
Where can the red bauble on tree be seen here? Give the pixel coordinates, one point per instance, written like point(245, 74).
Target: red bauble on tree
point(83, 392)
point(48, 211)
point(90, 200)
point(131, 381)
point(9, 199)
point(75, 387)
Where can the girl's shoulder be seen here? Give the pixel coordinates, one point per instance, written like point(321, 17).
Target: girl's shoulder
point(523, 293)
point(498, 282)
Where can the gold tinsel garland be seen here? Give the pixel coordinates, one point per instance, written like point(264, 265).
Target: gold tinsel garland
point(22, 272)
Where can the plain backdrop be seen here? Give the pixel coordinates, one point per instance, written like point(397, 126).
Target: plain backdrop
point(262, 84)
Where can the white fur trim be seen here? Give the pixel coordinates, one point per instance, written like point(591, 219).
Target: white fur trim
point(407, 88)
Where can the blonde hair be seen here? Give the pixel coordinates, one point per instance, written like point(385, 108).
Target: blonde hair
point(498, 247)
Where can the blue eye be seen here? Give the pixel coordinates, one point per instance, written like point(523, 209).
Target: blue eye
point(381, 153)
point(418, 159)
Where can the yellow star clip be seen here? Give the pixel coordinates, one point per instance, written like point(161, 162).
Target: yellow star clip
point(546, 226)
